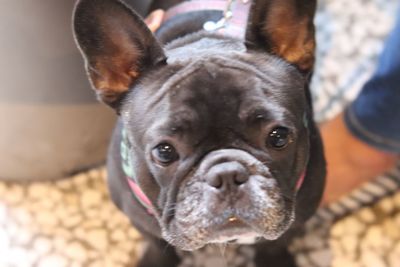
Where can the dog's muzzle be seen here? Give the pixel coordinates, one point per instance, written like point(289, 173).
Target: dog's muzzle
point(231, 195)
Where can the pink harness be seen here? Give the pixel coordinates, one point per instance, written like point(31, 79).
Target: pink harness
point(232, 23)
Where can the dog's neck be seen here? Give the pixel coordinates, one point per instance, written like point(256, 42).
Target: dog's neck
point(224, 17)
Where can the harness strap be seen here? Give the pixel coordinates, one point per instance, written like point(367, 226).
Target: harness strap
point(191, 6)
point(233, 22)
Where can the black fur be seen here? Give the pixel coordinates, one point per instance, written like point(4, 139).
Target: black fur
point(207, 91)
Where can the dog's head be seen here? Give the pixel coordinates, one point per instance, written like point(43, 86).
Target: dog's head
point(221, 129)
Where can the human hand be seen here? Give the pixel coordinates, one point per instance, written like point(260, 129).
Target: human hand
point(154, 19)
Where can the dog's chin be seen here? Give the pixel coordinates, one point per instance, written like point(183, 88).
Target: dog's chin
point(234, 231)
point(241, 232)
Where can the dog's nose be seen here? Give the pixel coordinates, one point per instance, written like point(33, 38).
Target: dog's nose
point(227, 175)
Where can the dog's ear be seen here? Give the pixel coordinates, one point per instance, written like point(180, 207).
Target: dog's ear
point(116, 44)
point(284, 28)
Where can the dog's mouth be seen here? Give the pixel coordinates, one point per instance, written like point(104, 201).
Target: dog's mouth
point(234, 230)
point(198, 233)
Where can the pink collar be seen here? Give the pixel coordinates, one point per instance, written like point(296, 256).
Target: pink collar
point(300, 182)
point(140, 196)
point(233, 22)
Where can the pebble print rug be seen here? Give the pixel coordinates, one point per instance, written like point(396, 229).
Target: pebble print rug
point(72, 222)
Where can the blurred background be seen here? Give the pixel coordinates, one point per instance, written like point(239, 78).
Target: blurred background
point(54, 207)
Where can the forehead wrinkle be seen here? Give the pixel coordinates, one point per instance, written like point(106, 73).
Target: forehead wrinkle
point(174, 80)
point(220, 61)
point(237, 64)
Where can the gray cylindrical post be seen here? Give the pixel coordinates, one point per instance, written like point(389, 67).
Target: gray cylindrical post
point(50, 122)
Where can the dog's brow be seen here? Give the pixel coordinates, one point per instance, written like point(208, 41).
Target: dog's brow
point(178, 124)
point(256, 114)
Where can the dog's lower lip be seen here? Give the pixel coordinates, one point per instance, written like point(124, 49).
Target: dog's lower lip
point(232, 224)
point(231, 230)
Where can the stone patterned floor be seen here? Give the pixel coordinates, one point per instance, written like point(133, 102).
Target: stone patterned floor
point(67, 223)
point(371, 237)
point(360, 230)
point(73, 223)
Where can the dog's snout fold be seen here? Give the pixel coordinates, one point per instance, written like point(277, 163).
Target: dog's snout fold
point(235, 163)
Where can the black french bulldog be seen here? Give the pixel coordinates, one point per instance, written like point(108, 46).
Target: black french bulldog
point(216, 140)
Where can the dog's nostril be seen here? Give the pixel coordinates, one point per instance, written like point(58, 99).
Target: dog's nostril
point(227, 174)
point(241, 178)
point(215, 181)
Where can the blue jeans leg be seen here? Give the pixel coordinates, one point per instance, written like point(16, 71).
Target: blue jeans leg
point(374, 116)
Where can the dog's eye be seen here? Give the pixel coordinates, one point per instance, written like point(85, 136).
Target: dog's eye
point(164, 154)
point(278, 138)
